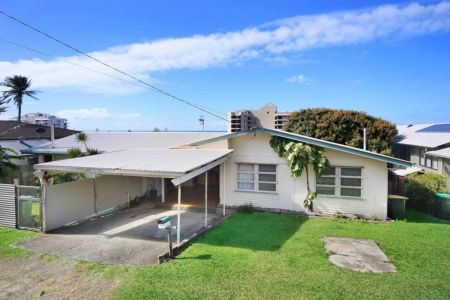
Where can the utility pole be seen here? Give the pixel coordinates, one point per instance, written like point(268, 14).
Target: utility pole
point(365, 139)
point(201, 120)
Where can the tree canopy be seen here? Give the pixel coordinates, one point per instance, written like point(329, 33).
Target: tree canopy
point(344, 127)
point(17, 88)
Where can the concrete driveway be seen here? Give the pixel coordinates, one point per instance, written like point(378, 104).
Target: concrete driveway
point(128, 237)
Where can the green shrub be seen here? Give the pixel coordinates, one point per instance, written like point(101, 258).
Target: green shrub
point(248, 209)
point(421, 190)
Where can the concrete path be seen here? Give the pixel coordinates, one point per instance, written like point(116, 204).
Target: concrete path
point(358, 255)
point(129, 237)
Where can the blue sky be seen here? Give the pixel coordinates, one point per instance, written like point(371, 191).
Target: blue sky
point(390, 59)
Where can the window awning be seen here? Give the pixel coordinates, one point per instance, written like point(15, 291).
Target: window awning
point(168, 163)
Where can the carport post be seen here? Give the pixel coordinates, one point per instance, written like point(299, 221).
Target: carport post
point(206, 198)
point(179, 215)
point(128, 192)
point(224, 189)
point(95, 194)
point(44, 206)
point(163, 190)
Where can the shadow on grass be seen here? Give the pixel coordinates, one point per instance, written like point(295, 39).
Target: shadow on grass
point(413, 216)
point(198, 257)
point(256, 231)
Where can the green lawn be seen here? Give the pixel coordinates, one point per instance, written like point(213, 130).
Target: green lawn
point(262, 255)
point(10, 236)
point(36, 212)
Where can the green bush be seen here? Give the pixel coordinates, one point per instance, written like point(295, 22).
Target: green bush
point(421, 190)
point(247, 209)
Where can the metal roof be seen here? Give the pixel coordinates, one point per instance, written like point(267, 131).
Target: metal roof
point(418, 135)
point(313, 141)
point(440, 153)
point(12, 130)
point(113, 141)
point(139, 162)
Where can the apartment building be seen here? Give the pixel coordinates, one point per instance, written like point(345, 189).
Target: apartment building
point(44, 120)
point(267, 117)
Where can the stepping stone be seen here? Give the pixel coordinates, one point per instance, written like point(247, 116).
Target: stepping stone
point(358, 255)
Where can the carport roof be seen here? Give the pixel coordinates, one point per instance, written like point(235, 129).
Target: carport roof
point(139, 162)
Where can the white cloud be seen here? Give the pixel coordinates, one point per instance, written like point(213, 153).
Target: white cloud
point(98, 113)
point(219, 49)
point(299, 79)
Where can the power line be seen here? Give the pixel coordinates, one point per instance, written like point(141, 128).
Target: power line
point(66, 61)
point(40, 52)
point(46, 54)
point(112, 67)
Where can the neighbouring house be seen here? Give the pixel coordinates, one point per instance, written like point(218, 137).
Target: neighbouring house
point(426, 145)
point(219, 171)
point(22, 136)
point(108, 141)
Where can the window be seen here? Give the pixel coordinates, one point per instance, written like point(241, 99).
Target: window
point(340, 181)
point(257, 177)
point(427, 161)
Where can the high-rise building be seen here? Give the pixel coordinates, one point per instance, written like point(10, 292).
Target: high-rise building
point(44, 120)
point(267, 116)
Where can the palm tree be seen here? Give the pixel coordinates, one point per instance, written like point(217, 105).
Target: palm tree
point(18, 87)
point(7, 168)
point(3, 107)
point(82, 138)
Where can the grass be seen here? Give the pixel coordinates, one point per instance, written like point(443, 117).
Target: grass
point(262, 255)
point(36, 212)
point(266, 256)
point(9, 236)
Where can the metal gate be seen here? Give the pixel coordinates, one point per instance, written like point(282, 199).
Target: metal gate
point(29, 207)
point(7, 205)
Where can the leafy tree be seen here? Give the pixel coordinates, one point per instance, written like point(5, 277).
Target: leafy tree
point(7, 168)
point(344, 127)
point(65, 177)
point(299, 156)
point(18, 87)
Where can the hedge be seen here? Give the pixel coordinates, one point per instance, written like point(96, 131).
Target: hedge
point(421, 190)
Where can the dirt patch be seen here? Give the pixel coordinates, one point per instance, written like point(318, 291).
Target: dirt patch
point(48, 278)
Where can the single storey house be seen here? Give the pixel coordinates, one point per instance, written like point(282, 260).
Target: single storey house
point(231, 169)
point(19, 137)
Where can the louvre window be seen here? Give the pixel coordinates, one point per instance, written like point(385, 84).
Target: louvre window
point(340, 181)
point(257, 177)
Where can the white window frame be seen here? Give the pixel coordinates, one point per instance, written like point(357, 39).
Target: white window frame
point(337, 182)
point(256, 180)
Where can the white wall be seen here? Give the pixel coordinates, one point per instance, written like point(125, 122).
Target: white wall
point(74, 201)
point(374, 193)
point(68, 202)
point(255, 148)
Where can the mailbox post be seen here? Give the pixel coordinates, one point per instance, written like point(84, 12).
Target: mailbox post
point(164, 223)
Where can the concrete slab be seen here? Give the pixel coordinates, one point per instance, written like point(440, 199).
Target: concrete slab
point(358, 255)
point(128, 237)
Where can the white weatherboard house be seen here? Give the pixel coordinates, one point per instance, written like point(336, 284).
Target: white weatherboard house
point(242, 169)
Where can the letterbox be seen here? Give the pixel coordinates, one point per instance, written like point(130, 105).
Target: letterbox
point(164, 222)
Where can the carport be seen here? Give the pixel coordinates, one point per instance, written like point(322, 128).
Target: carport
point(113, 179)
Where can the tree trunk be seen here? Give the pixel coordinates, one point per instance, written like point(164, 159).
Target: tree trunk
point(19, 109)
point(307, 179)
